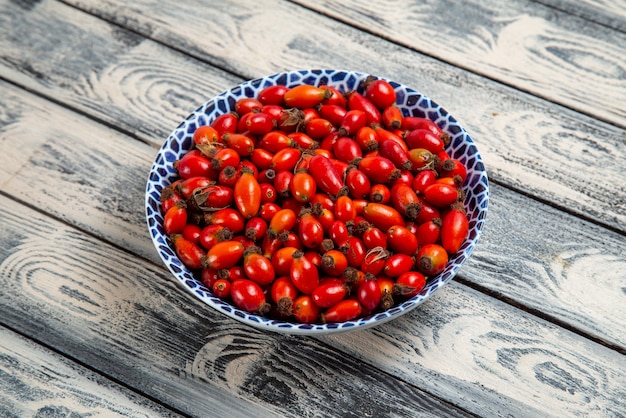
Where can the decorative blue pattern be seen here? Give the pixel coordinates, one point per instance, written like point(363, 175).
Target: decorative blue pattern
point(410, 101)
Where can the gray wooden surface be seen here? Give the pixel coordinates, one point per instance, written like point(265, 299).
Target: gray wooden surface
point(92, 324)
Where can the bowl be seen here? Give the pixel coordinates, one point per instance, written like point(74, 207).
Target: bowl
point(410, 101)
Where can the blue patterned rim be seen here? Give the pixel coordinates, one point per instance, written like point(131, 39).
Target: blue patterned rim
point(409, 101)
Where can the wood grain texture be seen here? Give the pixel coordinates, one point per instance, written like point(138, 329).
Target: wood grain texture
point(94, 176)
point(553, 55)
point(99, 187)
point(521, 276)
point(527, 143)
point(128, 319)
point(36, 382)
point(611, 13)
point(103, 70)
point(537, 49)
point(573, 272)
point(494, 355)
point(463, 352)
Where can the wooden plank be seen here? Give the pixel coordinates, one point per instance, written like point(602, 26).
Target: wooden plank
point(103, 70)
point(611, 13)
point(99, 187)
point(492, 384)
point(94, 176)
point(570, 271)
point(525, 45)
point(482, 353)
point(128, 319)
point(525, 141)
point(38, 382)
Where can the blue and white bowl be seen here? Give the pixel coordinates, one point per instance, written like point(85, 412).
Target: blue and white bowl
point(410, 101)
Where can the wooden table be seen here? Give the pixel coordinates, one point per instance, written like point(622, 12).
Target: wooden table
point(92, 323)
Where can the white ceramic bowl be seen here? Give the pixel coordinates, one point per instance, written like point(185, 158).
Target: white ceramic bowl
point(410, 101)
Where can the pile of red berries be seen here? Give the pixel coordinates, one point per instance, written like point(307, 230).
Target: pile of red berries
point(316, 205)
